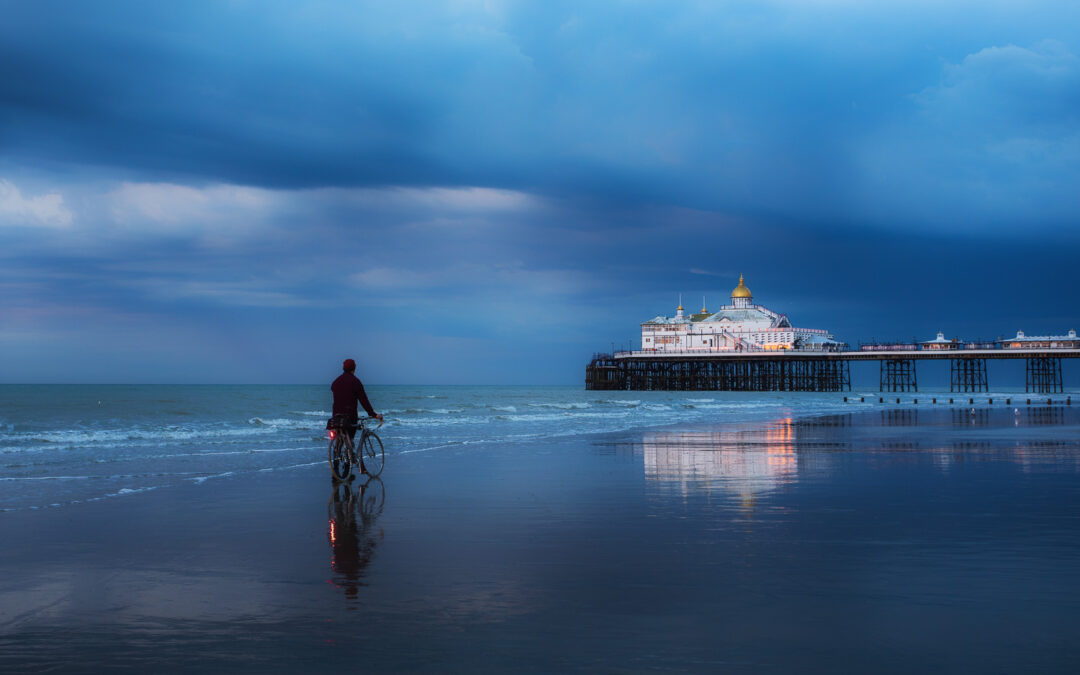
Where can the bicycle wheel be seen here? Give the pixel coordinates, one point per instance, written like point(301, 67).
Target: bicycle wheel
point(372, 456)
point(339, 454)
point(370, 499)
point(342, 502)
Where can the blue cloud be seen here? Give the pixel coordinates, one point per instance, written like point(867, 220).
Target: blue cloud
point(543, 175)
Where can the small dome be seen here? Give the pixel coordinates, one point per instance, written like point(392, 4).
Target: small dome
point(741, 291)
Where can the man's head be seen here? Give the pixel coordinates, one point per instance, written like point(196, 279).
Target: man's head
point(349, 366)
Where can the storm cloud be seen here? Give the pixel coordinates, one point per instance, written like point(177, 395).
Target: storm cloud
point(235, 191)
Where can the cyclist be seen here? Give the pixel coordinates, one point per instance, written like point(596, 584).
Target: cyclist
point(348, 391)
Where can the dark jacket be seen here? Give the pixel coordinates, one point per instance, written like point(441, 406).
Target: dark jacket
point(348, 391)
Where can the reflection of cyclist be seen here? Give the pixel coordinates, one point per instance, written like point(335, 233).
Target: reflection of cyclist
point(353, 543)
point(348, 391)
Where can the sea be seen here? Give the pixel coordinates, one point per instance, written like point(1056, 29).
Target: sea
point(71, 444)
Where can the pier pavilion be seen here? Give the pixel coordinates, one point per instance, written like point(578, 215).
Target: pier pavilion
point(736, 327)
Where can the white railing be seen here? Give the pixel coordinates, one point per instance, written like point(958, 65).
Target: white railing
point(705, 350)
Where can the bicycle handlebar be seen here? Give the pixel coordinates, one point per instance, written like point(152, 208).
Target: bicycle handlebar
point(374, 418)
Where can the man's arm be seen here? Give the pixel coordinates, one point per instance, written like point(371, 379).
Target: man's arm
point(361, 396)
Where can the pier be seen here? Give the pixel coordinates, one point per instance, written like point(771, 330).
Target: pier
point(745, 346)
point(823, 371)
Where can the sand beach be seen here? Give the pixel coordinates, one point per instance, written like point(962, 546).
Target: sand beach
point(877, 541)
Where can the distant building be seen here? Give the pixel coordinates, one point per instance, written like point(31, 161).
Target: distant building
point(940, 343)
point(740, 326)
point(1021, 341)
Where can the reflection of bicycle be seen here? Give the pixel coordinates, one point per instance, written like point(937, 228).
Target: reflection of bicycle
point(343, 453)
point(370, 498)
point(366, 500)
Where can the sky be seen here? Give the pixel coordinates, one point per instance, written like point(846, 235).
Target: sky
point(490, 192)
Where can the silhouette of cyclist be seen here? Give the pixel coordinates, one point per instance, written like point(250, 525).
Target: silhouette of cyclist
point(348, 391)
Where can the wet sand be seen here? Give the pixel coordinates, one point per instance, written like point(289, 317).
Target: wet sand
point(892, 541)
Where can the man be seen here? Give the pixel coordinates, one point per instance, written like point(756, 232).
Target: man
point(348, 391)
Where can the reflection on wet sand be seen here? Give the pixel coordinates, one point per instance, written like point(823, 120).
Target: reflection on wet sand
point(745, 463)
point(750, 461)
point(352, 533)
point(982, 434)
point(900, 417)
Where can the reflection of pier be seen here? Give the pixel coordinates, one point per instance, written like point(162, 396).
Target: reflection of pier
point(813, 371)
point(900, 417)
point(744, 463)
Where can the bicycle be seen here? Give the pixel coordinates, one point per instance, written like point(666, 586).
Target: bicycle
point(342, 452)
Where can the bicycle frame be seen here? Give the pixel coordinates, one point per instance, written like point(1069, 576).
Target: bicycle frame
point(344, 447)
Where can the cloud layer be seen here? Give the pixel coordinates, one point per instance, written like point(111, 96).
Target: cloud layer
point(522, 177)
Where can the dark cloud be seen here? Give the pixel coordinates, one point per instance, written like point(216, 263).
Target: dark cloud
point(739, 106)
point(526, 176)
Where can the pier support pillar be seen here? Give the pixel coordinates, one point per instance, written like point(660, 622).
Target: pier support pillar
point(968, 375)
point(816, 373)
point(604, 373)
point(1043, 375)
point(898, 375)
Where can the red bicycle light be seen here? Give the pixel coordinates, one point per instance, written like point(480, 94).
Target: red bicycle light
point(331, 434)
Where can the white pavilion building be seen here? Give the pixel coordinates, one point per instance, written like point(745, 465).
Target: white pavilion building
point(740, 326)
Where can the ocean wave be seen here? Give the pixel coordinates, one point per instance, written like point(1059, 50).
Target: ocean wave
point(503, 408)
point(292, 466)
point(116, 476)
point(438, 421)
point(199, 480)
point(131, 491)
point(423, 411)
point(123, 492)
point(66, 438)
point(561, 406)
point(563, 416)
point(286, 423)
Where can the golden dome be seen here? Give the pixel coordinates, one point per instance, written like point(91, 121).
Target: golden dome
point(741, 291)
